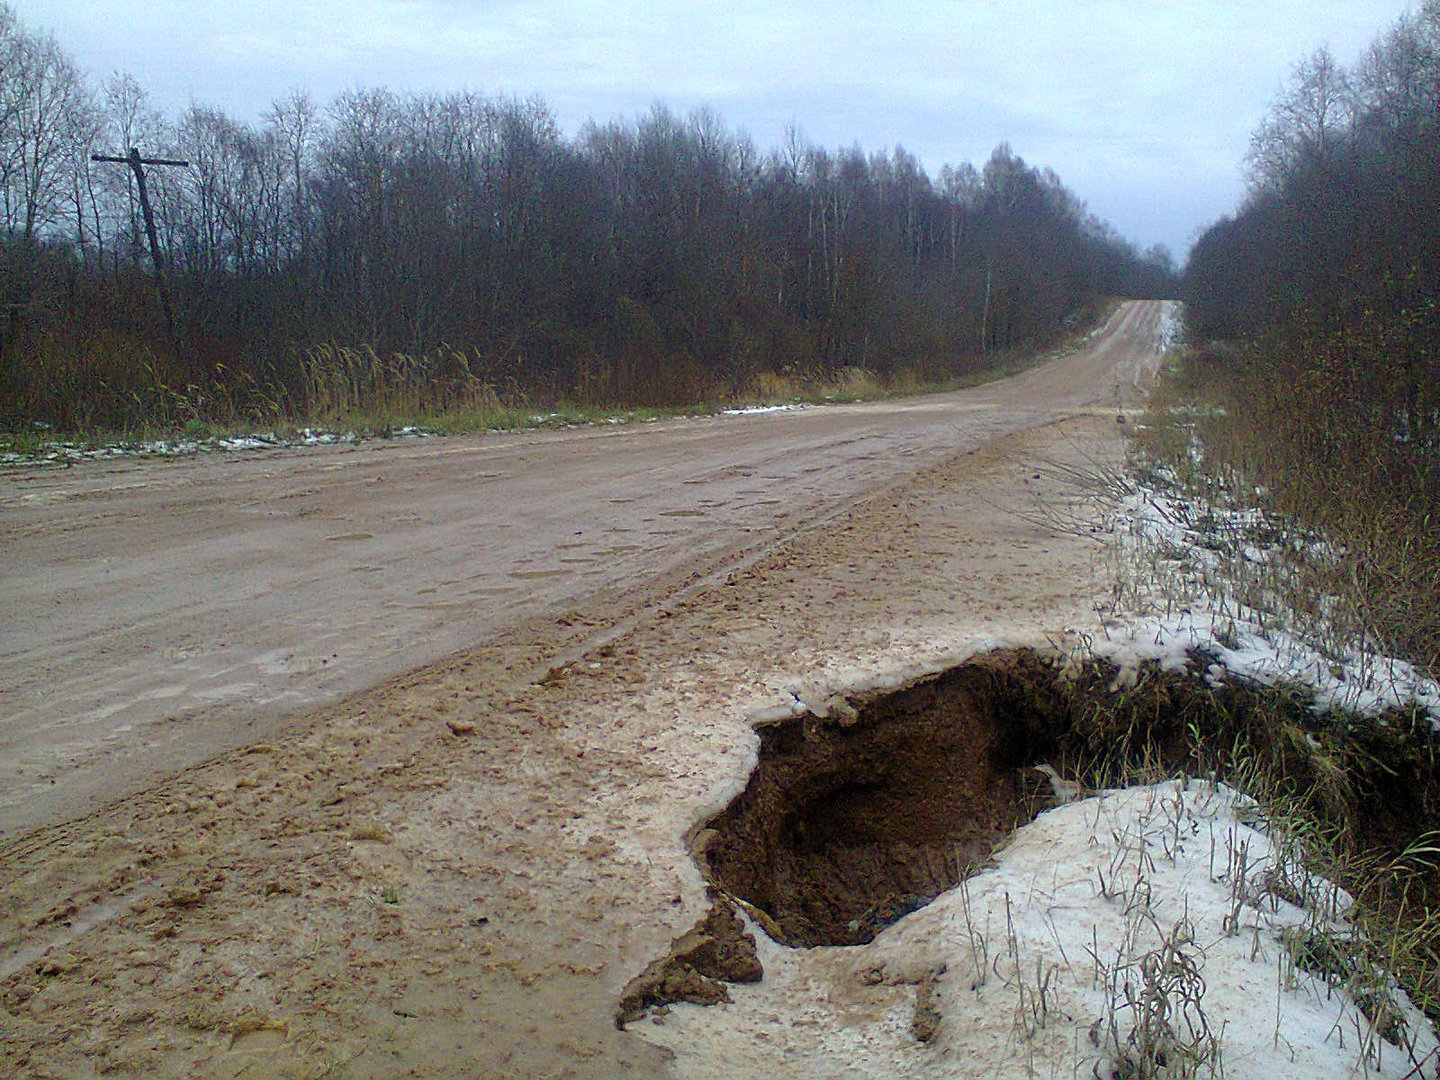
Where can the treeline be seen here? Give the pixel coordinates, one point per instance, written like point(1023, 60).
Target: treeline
point(1329, 278)
point(660, 261)
point(1340, 238)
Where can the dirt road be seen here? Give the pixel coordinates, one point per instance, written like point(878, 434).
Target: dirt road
point(457, 871)
point(159, 612)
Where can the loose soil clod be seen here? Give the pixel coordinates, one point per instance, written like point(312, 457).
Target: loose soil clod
point(701, 961)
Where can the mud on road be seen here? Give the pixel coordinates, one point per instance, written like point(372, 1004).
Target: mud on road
point(458, 871)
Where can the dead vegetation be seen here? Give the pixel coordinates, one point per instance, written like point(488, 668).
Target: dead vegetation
point(1253, 428)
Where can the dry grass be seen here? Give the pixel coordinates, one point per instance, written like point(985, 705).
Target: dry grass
point(339, 383)
point(1273, 435)
point(95, 384)
point(1354, 800)
point(1351, 564)
point(81, 383)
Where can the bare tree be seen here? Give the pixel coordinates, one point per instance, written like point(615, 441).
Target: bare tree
point(44, 107)
point(659, 259)
point(1305, 123)
point(295, 122)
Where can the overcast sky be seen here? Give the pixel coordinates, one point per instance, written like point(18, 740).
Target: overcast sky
point(1143, 108)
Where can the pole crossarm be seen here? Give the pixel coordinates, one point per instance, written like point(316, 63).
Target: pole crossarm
point(133, 157)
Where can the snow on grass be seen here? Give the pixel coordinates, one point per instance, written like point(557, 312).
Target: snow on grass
point(61, 453)
point(245, 442)
point(1361, 683)
point(1172, 326)
point(1138, 926)
point(758, 410)
point(1205, 576)
point(1214, 579)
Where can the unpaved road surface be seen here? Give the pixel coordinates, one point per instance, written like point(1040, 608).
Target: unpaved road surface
point(157, 612)
point(366, 892)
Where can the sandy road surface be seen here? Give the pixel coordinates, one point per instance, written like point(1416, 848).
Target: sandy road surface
point(158, 612)
point(367, 893)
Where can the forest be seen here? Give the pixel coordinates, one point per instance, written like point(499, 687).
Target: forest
point(460, 246)
point(1320, 303)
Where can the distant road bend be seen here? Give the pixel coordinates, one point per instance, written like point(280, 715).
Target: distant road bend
point(157, 612)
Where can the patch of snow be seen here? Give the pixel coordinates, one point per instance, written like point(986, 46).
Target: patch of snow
point(68, 453)
point(247, 442)
point(1213, 570)
point(1363, 683)
point(1172, 326)
point(757, 410)
point(312, 437)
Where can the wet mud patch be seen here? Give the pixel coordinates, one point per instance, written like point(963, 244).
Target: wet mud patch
point(853, 819)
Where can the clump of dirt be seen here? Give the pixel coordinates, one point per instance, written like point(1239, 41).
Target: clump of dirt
point(925, 1024)
point(852, 820)
point(701, 961)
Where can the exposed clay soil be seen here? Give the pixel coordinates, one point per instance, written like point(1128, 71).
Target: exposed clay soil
point(717, 951)
point(458, 871)
point(855, 818)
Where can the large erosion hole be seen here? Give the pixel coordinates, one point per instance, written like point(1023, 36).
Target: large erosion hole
point(852, 820)
point(857, 817)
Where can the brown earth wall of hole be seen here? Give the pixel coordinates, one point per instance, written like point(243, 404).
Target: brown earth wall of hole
point(850, 821)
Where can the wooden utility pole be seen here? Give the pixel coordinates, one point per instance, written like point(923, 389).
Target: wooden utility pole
point(137, 163)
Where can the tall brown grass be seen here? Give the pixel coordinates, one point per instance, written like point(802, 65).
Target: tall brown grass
point(108, 381)
point(340, 383)
point(1337, 445)
point(98, 382)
